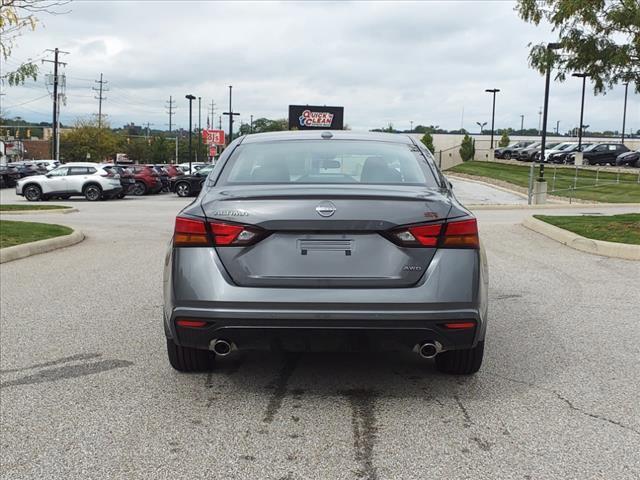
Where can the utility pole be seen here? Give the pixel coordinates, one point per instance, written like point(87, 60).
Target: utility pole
point(624, 113)
point(521, 124)
point(231, 113)
point(219, 122)
point(558, 127)
point(148, 124)
point(212, 111)
point(171, 105)
point(54, 124)
point(199, 126)
point(100, 98)
point(191, 98)
point(251, 126)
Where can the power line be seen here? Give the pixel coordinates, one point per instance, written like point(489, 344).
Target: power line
point(28, 101)
point(100, 98)
point(171, 105)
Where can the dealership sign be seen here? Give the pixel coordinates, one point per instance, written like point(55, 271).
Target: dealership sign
point(308, 117)
point(213, 137)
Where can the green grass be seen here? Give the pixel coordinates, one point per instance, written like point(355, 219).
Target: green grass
point(628, 192)
point(14, 208)
point(15, 233)
point(623, 228)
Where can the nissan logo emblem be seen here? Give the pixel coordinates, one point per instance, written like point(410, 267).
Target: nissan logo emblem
point(326, 209)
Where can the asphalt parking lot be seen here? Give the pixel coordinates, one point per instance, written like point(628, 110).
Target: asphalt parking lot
point(87, 392)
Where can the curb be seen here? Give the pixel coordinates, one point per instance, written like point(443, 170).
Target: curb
point(473, 179)
point(573, 240)
point(37, 212)
point(41, 246)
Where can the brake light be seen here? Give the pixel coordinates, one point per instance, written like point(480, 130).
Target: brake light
point(457, 234)
point(227, 234)
point(190, 233)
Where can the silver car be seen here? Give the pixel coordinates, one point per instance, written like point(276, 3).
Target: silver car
point(323, 240)
point(89, 180)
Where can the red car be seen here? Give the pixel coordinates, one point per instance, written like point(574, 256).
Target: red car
point(147, 180)
point(173, 171)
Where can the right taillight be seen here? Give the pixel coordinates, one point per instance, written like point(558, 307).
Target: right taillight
point(456, 234)
point(190, 233)
point(233, 235)
point(461, 234)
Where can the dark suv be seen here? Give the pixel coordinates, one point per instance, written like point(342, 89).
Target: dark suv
point(601, 153)
point(186, 185)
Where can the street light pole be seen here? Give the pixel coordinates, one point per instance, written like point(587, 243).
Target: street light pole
point(199, 126)
point(550, 46)
point(580, 127)
point(481, 125)
point(624, 112)
point(411, 121)
point(558, 127)
point(521, 124)
point(231, 113)
point(191, 98)
point(251, 126)
point(493, 111)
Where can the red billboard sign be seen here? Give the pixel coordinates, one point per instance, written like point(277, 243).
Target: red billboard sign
point(213, 137)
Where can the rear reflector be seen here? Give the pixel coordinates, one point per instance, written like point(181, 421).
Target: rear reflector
point(182, 322)
point(190, 233)
point(459, 325)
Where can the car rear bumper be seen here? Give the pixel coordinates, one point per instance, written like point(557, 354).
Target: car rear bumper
point(196, 287)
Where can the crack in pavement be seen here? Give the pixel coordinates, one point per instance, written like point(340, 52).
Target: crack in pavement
point(71, 358)
point(464, 411)
point(568, 402)
point(363, 421)
point(68, 371)
point(280, 384)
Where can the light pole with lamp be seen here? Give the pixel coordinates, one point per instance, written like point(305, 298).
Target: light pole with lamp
point(191, 98)
point(583, 76)
point(624, 112)
point(493, 111)
point(550, 47)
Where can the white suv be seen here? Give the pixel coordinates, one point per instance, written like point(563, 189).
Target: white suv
point(90, 180)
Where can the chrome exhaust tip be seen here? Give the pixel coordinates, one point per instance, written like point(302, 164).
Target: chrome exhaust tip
point(222, 347)
point(428, 349)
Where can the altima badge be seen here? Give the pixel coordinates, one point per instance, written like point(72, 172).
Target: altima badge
point(326, 209)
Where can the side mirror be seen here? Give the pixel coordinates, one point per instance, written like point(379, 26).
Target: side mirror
point(48, 175)
point(450, 185)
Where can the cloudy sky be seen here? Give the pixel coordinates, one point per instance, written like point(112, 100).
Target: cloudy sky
point(426, 62)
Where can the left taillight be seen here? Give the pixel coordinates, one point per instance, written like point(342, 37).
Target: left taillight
point(193, 233)
point(456, 234)
point(190, 233)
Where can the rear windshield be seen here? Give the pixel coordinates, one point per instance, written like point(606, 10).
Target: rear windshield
point(327, 161)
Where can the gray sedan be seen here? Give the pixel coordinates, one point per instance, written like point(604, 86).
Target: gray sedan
point(326, 240)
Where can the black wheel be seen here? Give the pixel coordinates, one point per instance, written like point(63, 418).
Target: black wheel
point(183, 189)
point(140, 189)
point(461, 362)
point(32, 192)
point(507, 155)
point(92, 193)
point(185, 359)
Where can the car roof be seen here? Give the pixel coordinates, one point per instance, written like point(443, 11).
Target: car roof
point(336, 135)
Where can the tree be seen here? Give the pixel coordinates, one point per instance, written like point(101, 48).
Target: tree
point(467, 148)
point(15, 17)
point(86, 138)
point(598, 37)
point(427, 139)
point(266, 125)
point(504, 140)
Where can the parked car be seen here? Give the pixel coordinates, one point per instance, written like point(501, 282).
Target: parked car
point(127, 180)
point(48, 165)
point(173, 170)
point(631, 158)
point(146, 178)
point(164, 176)
point(528, 154)
point(562, 156)
point(517, 151)
point(601, 153)
point(9, 176)
point(195, 166)
point(552, 151)
point(90, 180)
point(26, 169)
point(187, 185)
point(276, 250)
point(507, 152)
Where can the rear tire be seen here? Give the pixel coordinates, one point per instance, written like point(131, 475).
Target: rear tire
point(185, 359)
point(92, 193)
point(140, 189)
point(32, 192)
point(461, 362)
point(183, 189)
point(507, 155)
